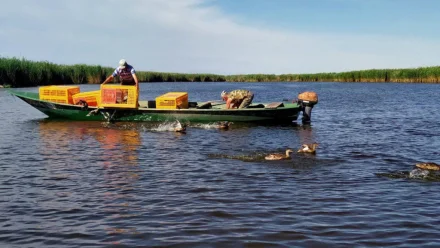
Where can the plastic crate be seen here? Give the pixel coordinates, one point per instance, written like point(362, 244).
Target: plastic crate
point(92, 97)
point(58, 94)
point(172, 100)
point(119, 96)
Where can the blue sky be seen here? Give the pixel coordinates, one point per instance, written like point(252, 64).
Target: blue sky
point(225, 36)
point(396, 17)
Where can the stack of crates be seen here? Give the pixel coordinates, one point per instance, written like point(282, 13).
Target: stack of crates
point(119, 96)
point(172, 100)
point(92, 98)
point(58, 94)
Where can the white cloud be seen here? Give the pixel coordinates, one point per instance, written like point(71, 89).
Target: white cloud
point(189, 36)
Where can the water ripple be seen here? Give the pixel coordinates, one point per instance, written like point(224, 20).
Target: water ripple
point(79, 184)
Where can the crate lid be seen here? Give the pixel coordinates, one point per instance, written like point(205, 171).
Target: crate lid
point(60, 86)
point(174, 94)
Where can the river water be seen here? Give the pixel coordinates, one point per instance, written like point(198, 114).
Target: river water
point(91, 184)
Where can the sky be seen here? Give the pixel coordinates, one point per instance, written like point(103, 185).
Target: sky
point(225, 36)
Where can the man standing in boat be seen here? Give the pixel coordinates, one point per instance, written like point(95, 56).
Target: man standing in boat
point(237, 98)
point(126, 73)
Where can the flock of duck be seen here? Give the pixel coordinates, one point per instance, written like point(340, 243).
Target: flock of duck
point(305, 148)
point(423, 168)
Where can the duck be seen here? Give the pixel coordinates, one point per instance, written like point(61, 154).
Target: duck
point(180, 128)
point(428, 166)
point(308, 148)
point(279, 156)
point(224, 124)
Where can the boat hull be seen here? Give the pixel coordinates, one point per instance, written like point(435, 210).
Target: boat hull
point(288, 113)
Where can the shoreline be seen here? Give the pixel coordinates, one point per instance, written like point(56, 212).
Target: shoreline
point(16, 72)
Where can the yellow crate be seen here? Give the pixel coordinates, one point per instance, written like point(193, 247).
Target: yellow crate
point(58, 94)
point(172, 100)
point(91, 97)
point(119, 96)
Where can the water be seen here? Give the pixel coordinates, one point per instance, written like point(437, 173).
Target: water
point(90, 184)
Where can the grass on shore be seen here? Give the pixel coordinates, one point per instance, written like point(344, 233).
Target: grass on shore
point(16, 72)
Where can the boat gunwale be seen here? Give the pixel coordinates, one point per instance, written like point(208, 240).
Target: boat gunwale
point(35, 97)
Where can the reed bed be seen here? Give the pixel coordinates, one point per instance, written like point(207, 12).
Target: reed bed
point(15, 72)
point(412, 75)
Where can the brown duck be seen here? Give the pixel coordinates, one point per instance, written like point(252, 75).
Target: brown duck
point(308, 148)
point(224, 124)
point(279, 156)
point(428, 166)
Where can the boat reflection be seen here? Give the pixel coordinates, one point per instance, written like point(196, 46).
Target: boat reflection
point(104, 158)
point(306, 134)
point(109, 146)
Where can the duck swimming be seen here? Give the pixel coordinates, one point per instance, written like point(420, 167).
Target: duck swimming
point(224, 124)
point(279, 156)
point(180, 128)
point(428, 166)
point(308, 148)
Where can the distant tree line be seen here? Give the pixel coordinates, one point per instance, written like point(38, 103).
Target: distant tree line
point(15, 72)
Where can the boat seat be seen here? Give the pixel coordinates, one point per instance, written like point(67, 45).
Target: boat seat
point(143, 104)
point(206, 105)
point(274, 105)
point(256, 106)
point(192, 104)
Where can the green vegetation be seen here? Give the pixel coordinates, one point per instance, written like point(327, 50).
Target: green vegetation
point(16, 72)
point(413, 75)
point(24, 73)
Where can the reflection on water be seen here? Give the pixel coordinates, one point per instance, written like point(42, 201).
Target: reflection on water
point(83, 184)
point(253, 157)
point(117, 146)
point(112, 150)
point(305, 133)
point(77, 144)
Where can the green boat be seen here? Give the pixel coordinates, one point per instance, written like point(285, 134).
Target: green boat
point(277, 112)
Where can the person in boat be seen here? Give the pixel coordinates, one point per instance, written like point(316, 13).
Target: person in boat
point(237, 98)
point(126, 73)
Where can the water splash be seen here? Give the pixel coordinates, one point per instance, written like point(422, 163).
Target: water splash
point(166, 127)
point(207, 126)
point(214, 125)
point(418, 173)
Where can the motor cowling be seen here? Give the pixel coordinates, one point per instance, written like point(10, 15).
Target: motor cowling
point(307, 100)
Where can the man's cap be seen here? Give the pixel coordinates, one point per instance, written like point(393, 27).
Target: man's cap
point(122, 63)
point(224, 93)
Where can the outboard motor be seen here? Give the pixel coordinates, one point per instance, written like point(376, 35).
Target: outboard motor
point(307, 100)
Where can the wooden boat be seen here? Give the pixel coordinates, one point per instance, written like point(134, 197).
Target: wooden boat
point(279, 112)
